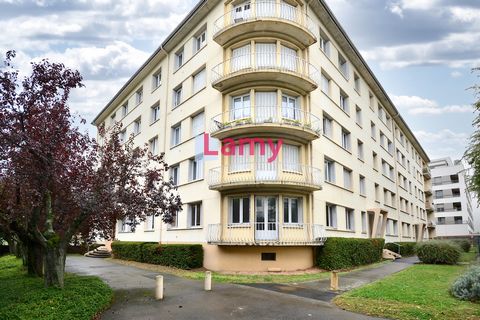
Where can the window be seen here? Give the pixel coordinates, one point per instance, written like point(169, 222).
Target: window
point(381, 113)
point(157, 79)
point(122, 136)
point(155, 112)
point(240, 210)
point(377, 192)
point(362, 186)
point(125, 225)
point(153, 145)
point(113, 118)
point(344, 102)
point(371, 100)
point(240, 107)
point(198, 124)
point(357, 82)
point(292, 210)
point(325, 84)
point(364, 222)
point(124, 109)
point(349, 219)
point(199, 80)
point(291, 158)
point(389, 146)
point(137, 126)
point(200, 40)
point(196, 168)
point(150, 223)
point(345, 139)
point(441, 220)
point(179, 56)
point(360, 154)
point(176, 134)
point(175, 174)
point(331, 211)
point(347, 178)
point(195, 214)
point(358, 115)
point(291, 107)
point(240, 162)
point(139, 96)
point(375, 160)
point(324, 43)
point(329, 171)
point(373, 131)
point(343, 65)
point(458, 219)
point(438, 194)
point(327, 126)
point(177, 96)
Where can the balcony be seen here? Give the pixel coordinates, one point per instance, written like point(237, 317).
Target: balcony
point(265, 19)
point(267, 234)
point(272, 69)
point(427, 174)
point(265, 174)
point(428, 192)
point(275, 120)
point(429, 207)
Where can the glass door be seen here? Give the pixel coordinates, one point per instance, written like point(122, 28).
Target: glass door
point(240, 58)
point(266, 218)
point(240, 107)
point(290, 108)
point(241, 12)
point(264, 170)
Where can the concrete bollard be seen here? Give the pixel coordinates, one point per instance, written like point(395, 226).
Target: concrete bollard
point(208, 281)
point(334, 281)
point(159, 288)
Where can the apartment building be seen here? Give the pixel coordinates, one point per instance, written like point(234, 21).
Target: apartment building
point(451, 199)
point(284, 74)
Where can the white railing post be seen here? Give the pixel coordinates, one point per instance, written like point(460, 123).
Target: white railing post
point(159, 287)
point(208, 281)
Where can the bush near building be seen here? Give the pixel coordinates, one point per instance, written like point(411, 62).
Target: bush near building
point(463, 243)
point(345, 253)
point(467, 286)
point(438, 252)
point(182, 256)
point(406, 248)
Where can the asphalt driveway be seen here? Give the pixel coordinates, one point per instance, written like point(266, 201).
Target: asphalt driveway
point(186, 299)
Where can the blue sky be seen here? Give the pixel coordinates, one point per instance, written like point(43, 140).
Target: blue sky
point(422, 51)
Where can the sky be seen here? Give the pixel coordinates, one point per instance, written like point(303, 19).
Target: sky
point(422, 52)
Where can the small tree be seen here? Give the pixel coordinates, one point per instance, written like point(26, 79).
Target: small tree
point(472, 154)
point(57, 181)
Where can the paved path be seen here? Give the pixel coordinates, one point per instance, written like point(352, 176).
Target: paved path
point(320, 290)
point(185, 299)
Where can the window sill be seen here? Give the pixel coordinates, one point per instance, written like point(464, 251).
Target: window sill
point(187, 99)
point(149, 230)
point(335, 185)
point(238, 225)
point(190, 182)
point(153, 122)
point(155, 89)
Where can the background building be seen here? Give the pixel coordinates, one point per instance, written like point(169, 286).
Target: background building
point(451, 198)
point(281, 70)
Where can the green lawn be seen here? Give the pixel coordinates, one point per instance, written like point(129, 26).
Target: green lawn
point(419, 292)
point(24, 297)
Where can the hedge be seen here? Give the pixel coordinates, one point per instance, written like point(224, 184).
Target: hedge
point(463, 243)
point(438, 252)
point(345, 253)
point(183, 256)
point(406, 249)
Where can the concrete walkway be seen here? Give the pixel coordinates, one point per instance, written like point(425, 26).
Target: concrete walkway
point(185, 299)
point(320, 290)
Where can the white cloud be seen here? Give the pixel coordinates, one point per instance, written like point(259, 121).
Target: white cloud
point(443, 143)
point(456, 74)
point(421, 106)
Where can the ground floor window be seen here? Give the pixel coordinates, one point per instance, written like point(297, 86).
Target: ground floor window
point(150, 222)
point(292, 210)
point(349, 219)
point(240, 210)
point(125, 225)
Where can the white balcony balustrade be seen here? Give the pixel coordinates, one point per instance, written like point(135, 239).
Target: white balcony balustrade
point(267, 233)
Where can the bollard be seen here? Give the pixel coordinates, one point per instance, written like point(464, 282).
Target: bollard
point(159, 288)
point(334, 281)
point(208, 281)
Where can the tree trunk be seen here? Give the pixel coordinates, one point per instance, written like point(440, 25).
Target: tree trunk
point(33, 258)
point(54, 266)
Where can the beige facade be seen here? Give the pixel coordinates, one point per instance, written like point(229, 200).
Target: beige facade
point(348, 165)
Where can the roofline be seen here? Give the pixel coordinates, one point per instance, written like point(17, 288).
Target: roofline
point(344, 33)
point(151, 57)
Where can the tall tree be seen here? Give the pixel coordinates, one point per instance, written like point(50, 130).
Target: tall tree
point(59, 182)
point(472, 154)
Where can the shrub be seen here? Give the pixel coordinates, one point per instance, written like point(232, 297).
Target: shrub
point(467, 286)
point(438, 252)
point(463, 243)
point(406, 248)
point(183, 256)
point(344, 253)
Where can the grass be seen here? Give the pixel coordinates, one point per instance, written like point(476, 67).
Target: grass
point(419, 292)
point(240, 278)
point(24, 297)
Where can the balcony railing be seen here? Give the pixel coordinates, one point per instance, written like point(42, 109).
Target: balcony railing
point(267, 62)
point(264, 10)
point(267, 233)
point(263, 115)
point(263, 172)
